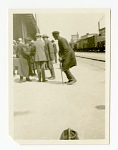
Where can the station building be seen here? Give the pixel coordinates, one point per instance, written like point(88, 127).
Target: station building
point(24, 25)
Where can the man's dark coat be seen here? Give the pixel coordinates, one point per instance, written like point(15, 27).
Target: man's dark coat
point(67, 54)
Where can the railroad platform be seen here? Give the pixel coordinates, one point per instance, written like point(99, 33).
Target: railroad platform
point(42, 111)
point(91, 55)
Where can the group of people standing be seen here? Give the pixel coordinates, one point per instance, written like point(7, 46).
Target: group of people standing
point(40, 54)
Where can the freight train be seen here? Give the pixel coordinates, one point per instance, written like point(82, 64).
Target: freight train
point(90, 42)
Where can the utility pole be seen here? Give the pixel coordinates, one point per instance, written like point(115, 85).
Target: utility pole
point(77, 36)
point(98, 26)
point(99, 23)
point(77, 40)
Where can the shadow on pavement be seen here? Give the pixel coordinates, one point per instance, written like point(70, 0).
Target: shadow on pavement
point(18, 80)
point(54, 82)
point(17, 113)
point(35, 80)
point(100, 107)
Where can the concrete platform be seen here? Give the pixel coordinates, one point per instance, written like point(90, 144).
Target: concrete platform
point(43, 110)
point(91, 55)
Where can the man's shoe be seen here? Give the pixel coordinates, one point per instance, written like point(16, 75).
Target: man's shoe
point(44, 80)
point(51, 78)
point(28, 79)
point(68, 81)
point(71, 82)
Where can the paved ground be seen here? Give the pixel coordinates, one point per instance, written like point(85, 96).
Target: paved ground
point(44, 110)
point(93, 55)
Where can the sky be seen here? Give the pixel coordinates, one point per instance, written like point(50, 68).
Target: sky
point(70, 23)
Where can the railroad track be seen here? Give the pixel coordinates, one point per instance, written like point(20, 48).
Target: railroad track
point(92, 61)
point(91, 58)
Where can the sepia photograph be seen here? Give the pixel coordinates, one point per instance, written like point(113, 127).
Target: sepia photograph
point(59, 76)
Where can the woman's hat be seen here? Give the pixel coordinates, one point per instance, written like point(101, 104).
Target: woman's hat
point(45, 35)
point(38, 35)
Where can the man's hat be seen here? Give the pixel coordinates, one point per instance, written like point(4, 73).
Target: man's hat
point(19, 39)
point(14, 41)
point(38, 35)
point(55, 33)
point(44, 35)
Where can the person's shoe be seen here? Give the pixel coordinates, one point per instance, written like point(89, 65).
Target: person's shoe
point(68, 81)
point(44, 80)
point(51, 78)
point(71, 82)
point(28, 79)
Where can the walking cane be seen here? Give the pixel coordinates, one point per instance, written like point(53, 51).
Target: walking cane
point(61, 73)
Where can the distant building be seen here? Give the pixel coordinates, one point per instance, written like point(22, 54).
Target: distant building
point(87, 35)
point(102, 31)
point(24, 25)
point(74, 38)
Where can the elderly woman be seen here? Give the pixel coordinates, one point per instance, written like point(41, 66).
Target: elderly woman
point(23, 67)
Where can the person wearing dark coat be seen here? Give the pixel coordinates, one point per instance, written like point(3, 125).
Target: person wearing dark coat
point(15, 60)
point(66, 57)
point(40, 58)
point(49, 50)
point(55, 50)
point(23, 67)
point(32, 50)
point(32, 58)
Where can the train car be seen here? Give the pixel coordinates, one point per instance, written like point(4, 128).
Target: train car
point(87, 43)
point(92, 42)
point(101, 43)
